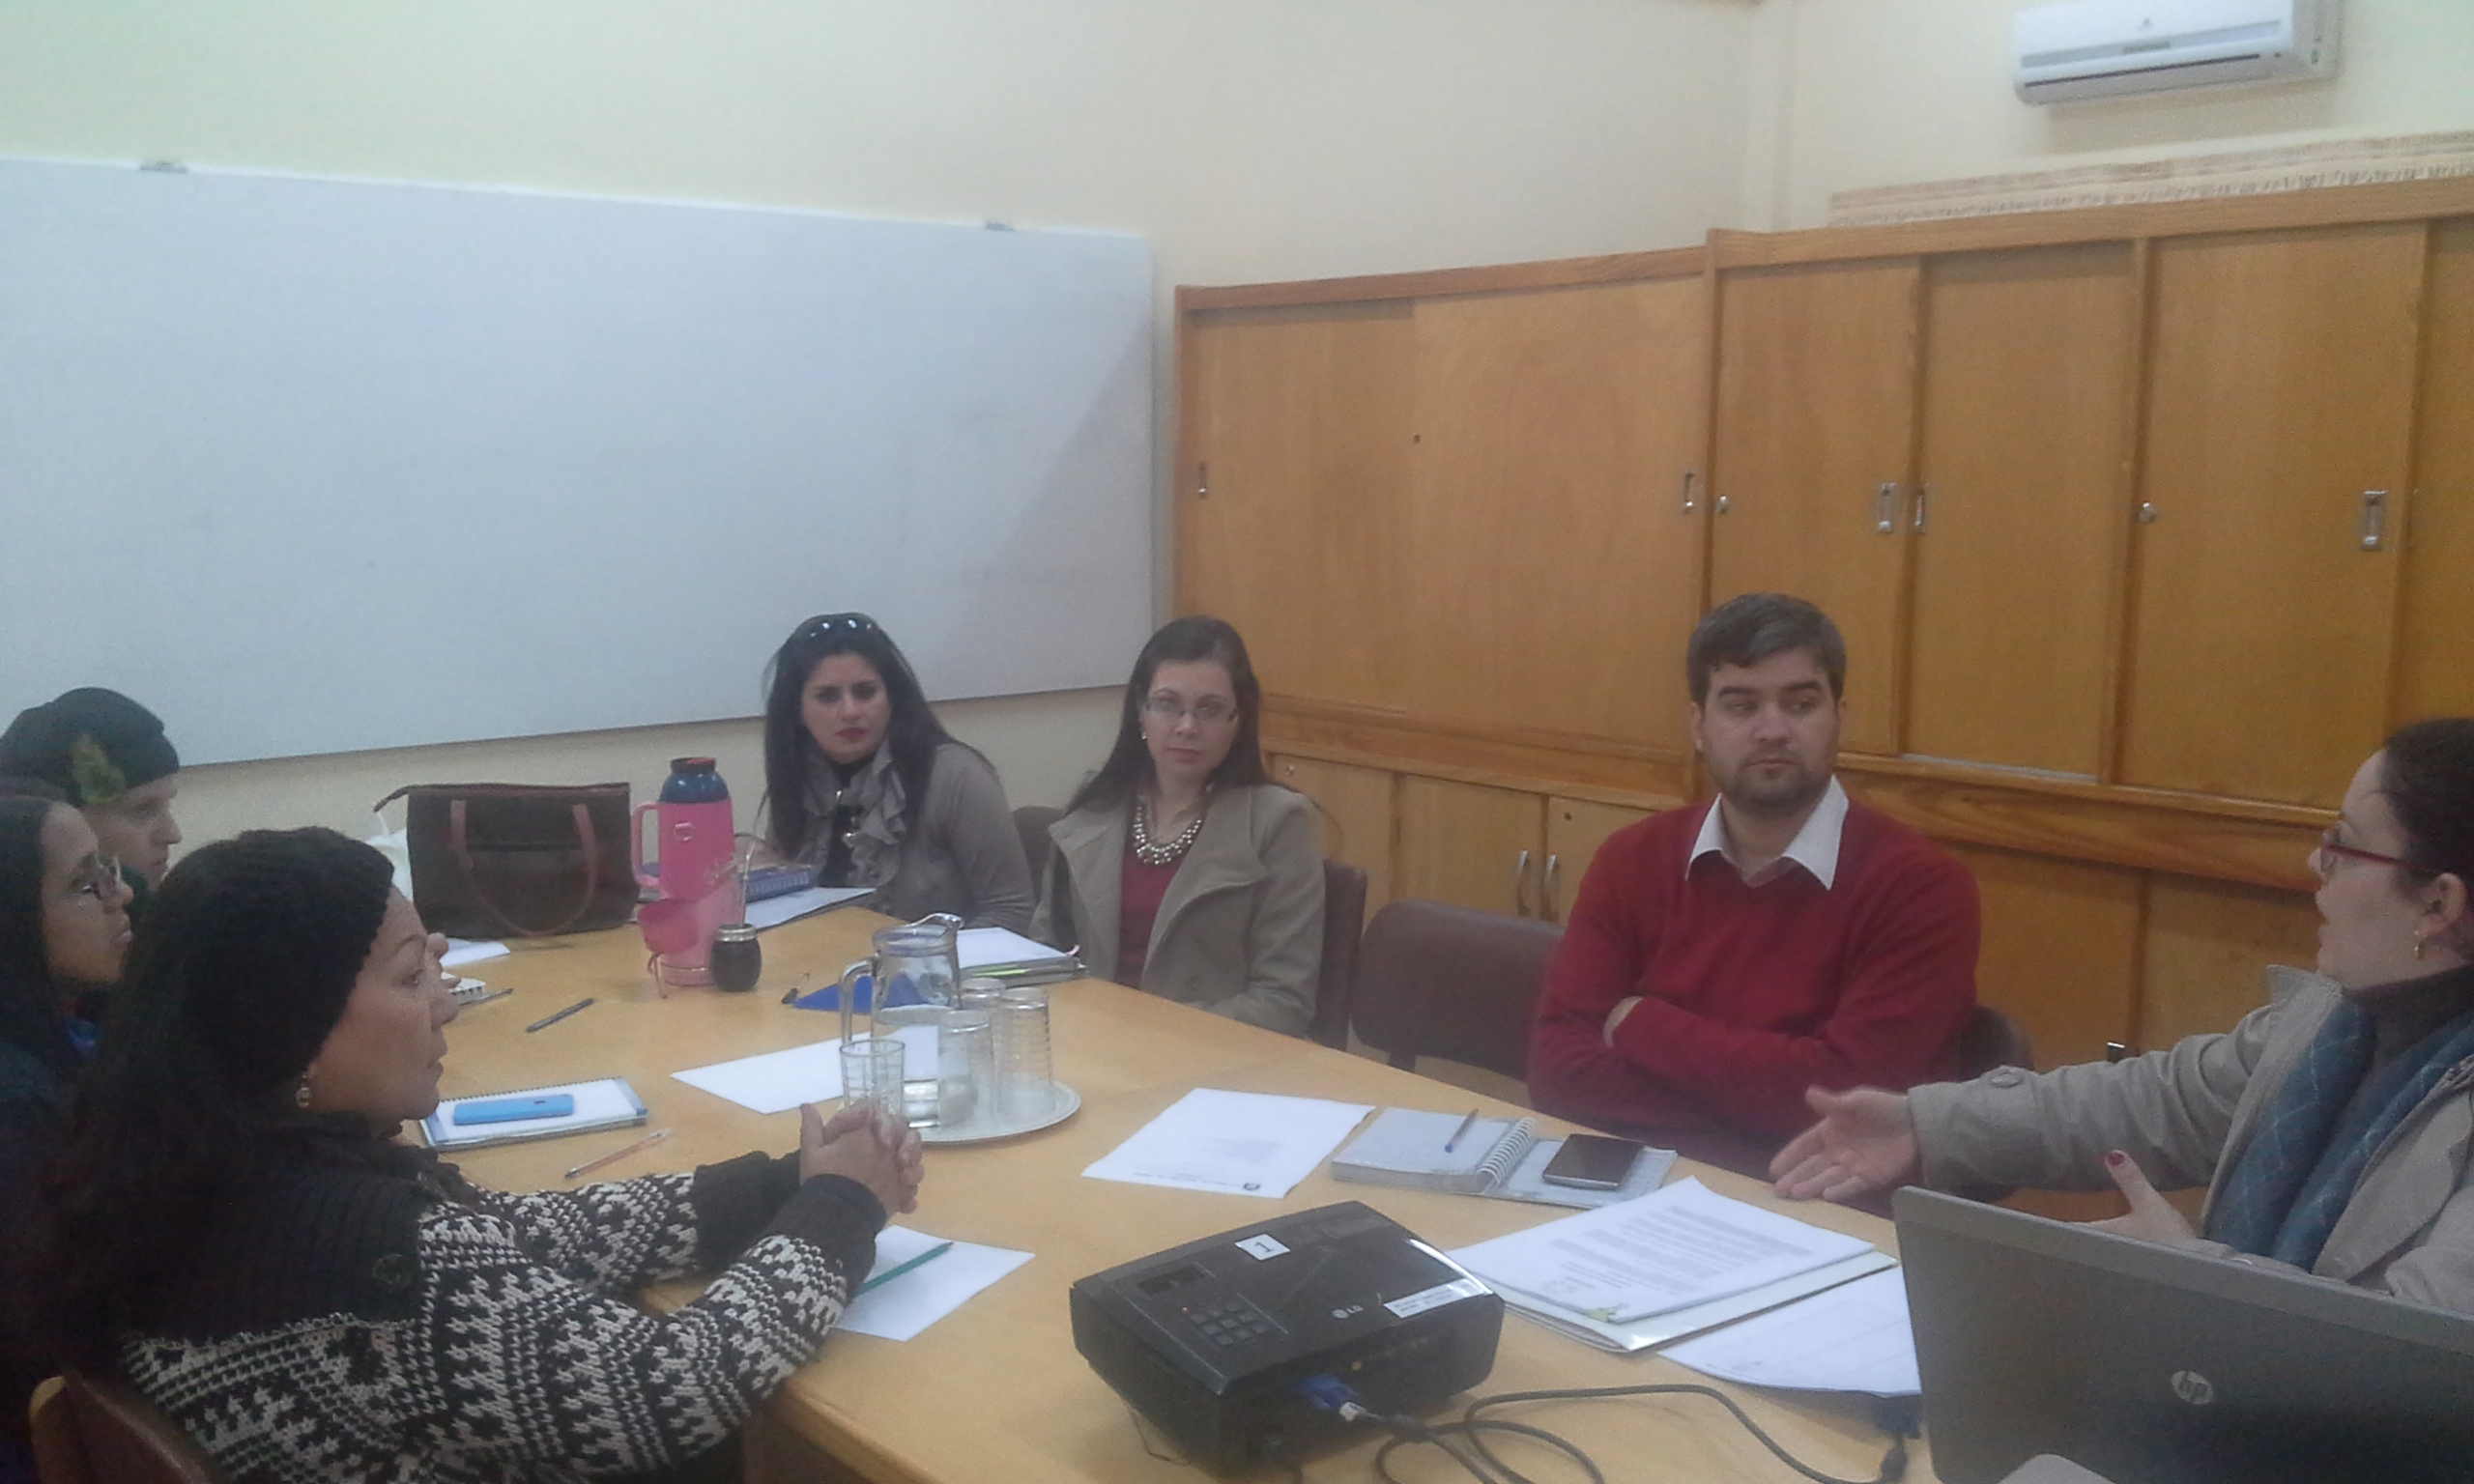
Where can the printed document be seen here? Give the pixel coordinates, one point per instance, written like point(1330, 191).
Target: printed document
point(911, 1301)
point(1683, 1244)
point(1854, 1338)
point(1240, 1143)
point(778, 1081)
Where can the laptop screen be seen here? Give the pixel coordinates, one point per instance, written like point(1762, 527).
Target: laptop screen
point(2151, 1365)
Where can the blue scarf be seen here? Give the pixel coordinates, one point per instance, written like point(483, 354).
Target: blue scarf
point(2294, 1178)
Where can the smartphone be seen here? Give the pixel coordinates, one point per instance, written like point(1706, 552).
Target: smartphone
point(1593, 1162)
point(507, 1110)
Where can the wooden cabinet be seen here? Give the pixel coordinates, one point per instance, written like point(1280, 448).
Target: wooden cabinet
point(2205, 945)
point(1575, 830)
point(2281, 395)
point(1815, 409)
point(1573, 414)
point(2435, 624)
point(1475, 847)
point(1356, 805)
point(2061, 950)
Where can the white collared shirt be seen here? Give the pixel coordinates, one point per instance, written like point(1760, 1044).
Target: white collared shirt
point(1815, 846)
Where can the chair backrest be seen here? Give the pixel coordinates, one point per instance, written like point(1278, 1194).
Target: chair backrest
point(1436, 979)
point(96, 1430)
point(1343, 922)
point(1990, 1040)
point(1032, 822)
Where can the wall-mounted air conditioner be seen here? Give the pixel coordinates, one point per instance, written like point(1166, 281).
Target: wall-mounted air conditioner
point(2092, 48)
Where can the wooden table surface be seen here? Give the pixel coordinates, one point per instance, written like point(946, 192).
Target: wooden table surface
point(995, 1390)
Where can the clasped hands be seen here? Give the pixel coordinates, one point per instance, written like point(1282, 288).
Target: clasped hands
point(859, 1145)
point(1865, 1143)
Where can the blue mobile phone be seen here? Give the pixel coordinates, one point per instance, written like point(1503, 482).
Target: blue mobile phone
point(507, 1110)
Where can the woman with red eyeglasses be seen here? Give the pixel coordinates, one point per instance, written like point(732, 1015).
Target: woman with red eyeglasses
point(2330, 1126)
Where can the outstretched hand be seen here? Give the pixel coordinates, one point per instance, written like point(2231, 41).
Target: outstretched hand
point(2152, 1217)
point(1865, 1142)
point(858, 1144)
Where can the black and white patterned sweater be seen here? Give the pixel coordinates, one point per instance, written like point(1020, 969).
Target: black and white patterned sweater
point(380, 1319)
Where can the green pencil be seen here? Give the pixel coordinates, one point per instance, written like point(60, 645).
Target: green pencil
point(899, 1269)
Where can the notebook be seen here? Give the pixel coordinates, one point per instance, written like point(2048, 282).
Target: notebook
point(608, 1103)
point(1503, 1157)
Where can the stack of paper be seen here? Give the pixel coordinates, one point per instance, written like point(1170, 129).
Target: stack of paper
point(1851, 1338)
point(1239, 1143)
point(999, 954)
point(1643, 1273)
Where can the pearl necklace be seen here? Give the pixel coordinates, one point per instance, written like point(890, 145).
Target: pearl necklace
point(1156, 853)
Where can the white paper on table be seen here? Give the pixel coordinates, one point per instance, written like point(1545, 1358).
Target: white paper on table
point(928, 1292)
point(778, 1081)
point(464, 951)
point(1238, 1143)
point(1674, 1323)
point(980, 948)
point(1683, 1244)
point(774, 911)
point(1853, 1338)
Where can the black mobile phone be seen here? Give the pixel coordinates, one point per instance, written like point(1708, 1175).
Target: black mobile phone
point(1593, 1162)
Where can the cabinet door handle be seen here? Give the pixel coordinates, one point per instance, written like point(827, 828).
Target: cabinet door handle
point(1723, 504)
point(1923, 494)
point(2147, 512)
point(1549, 904)
point(1202, 480)
point(1689, 476)
point(1886, 508)
point(1520, 885)
point(2374, 519)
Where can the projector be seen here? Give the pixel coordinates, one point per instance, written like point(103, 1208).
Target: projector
point(1216, 1341)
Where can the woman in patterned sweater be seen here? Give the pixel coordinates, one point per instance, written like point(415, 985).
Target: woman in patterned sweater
point(234, 1229)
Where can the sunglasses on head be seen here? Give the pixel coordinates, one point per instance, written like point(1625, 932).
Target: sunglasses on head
point(830, 623)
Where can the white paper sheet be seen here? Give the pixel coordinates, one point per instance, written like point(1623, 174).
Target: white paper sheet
point(1854, 1338)
point(774, 911)
point(464, 951)
point(1683, 1244)
point(928, 1292)
point(1674, 1323)
point(980, 947)
point(1237, 1143)
point(778, 1081)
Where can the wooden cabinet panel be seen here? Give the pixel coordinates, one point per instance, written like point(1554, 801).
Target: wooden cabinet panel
point(2018, 530)
point(2281, 387)
point(1547, 535)
point(1297, 425)
point(1816, 406)
point(1575, 830)
point(2435, 633)
point(1480, 847)
point(2206, 943)
point(1357, 815)
point(2061, 950)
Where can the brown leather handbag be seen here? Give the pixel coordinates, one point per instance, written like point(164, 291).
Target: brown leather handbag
point(520, 860)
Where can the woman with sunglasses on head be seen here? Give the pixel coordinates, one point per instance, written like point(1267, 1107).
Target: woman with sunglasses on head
point(1181, 868)
point(2331, 1126)
point(234, 1227)
point(864, 784)
point(63, 928)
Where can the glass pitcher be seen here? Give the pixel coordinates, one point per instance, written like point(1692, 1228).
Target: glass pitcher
point(912, 978)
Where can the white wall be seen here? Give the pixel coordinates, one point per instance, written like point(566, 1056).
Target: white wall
point(1894, 92)
point(1262, 139)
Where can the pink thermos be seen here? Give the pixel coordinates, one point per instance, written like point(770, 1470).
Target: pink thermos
point(698, 871)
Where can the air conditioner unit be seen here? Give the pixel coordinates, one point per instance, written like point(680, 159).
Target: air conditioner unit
point(2094, 48)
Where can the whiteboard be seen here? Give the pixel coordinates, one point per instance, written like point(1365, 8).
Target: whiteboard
point(313, 466)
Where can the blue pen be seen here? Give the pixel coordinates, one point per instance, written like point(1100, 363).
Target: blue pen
point(1461, 1132)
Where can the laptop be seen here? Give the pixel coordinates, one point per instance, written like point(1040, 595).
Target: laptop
point(2150, 1365)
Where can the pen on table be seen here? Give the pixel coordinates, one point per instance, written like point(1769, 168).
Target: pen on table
point(550, 1021)
point(899, 1269)
point(647, 1142)
point(1461, 1132)
point(495, 994)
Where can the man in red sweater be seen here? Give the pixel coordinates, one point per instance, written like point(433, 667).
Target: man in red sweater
point(1719, 960)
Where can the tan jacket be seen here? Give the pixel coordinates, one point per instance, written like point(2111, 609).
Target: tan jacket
point(2183, 1113)
point(1240, 933)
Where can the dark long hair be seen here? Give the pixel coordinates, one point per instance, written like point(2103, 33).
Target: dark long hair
point(2429, 778)
point(1181, 641)
point(239, 972)
point(29, 997)
point(914, 735)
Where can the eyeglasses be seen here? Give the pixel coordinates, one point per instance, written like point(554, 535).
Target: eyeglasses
point(1211, 711)
point(827, 623)
point(98, 878)
point(2325, 858)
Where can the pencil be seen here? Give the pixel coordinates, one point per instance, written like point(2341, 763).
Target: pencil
point(647, 1142)
point(1461, 1132)
point(899, 1269)
point(547, 1021)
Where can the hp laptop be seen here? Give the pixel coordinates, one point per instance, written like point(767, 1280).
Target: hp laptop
point(2150, 1365)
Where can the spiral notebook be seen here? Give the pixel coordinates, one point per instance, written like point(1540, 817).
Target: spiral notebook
point(1503, 1157)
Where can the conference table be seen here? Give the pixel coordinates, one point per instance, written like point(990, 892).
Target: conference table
point(995, 1389)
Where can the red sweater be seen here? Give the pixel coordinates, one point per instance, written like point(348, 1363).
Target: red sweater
point(1751, 994)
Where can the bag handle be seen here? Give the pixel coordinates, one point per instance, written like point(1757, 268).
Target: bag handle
point(457, 843)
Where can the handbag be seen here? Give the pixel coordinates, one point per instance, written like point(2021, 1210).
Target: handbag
point(522, 860)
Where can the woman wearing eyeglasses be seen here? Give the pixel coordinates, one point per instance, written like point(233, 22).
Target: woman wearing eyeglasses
point(1180, 867)
point(2331, 1126)
point(864, 784)
point(63, 928)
